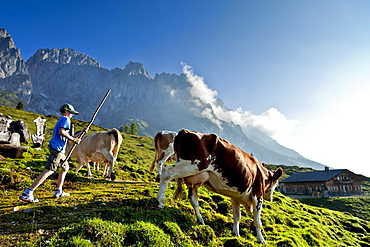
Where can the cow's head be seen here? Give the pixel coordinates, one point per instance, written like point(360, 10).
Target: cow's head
point(265, 182)
point(271, 183)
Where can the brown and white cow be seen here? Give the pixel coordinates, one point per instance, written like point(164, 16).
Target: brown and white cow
point(97, 147)
point(163, 142)
point(206, 159)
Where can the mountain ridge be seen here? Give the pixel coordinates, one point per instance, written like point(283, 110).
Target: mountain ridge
point(52, 77)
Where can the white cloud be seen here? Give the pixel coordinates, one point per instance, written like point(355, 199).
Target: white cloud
point(173, 93)
point(272, 122)
point(207, 113)
point(198, 87)
point(276, 125)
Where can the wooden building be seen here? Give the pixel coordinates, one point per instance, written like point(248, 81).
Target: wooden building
point(339, 182)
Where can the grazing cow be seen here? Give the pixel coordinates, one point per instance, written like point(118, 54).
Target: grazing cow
point(163, 142)
point(206, 159)
point(97, 147)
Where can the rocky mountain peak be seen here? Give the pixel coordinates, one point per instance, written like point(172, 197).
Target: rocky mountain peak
point(14, 76)
point(6, 42)
point(63, 56)
point(11, 61)
point(134, 68)
point(4, 33)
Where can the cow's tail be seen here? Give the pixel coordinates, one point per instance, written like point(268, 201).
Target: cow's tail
point(155, 151)
point(179, 193)
point(118, 141)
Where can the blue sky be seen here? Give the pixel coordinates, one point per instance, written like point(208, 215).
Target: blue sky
point(304, 65)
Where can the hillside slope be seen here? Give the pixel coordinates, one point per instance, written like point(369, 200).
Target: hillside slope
point(124, 212)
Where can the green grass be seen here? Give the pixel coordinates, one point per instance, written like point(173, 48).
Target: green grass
point(8, 99)
point(124, 212)
point(357, 206)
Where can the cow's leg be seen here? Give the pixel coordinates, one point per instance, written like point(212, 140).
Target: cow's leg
point(257, 208)
point(82, 163)
point(160, 167)
point(162, 190)
point(111, 168)
point(95, 165)
point(160, 161)
point(78, 168)
point(237, 216)
point(183, 168)
point(193, 197)
point(154, 162)
point(89, 174)
point(164, 157)
point(110, 159)
point(159, 155)
point(87, 166)
point(111, 171)
point(105, 169)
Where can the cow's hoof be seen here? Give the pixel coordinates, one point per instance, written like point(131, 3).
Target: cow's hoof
point(113, 177)
point(263, 242)
point(160, 204)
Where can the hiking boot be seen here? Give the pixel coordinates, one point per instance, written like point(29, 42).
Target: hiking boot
point(59, 193)
point(27, 197)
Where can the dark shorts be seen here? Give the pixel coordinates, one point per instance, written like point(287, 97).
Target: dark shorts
point(55, 159)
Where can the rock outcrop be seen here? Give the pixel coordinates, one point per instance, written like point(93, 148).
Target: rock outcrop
point(14, 76)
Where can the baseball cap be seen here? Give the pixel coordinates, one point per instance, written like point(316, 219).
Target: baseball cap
point(69, 108)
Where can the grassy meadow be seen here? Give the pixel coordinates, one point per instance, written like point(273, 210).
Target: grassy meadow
point(124, 212)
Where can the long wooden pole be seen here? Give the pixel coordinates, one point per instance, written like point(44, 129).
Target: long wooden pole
point(88, 126)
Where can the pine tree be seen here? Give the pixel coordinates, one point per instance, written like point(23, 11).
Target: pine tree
point(134, 129)
point(20, 105)
point(121, 129)
point(126, 129)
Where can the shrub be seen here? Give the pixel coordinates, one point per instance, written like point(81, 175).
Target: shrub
point(95, 231)
point(204, 235)
point(20, 105)
point(79, 241)
point(10, 179)
point(177, 235)
point(146, 234)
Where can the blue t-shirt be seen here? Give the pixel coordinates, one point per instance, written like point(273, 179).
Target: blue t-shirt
point(58, 142)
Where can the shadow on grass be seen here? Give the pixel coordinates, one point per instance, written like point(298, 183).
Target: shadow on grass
point(125, 211)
